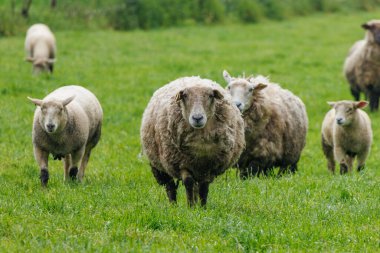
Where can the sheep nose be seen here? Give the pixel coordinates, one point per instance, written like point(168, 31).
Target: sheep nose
point(50, 127)
point(238, 104)
point(339, 121)
point(197, 117)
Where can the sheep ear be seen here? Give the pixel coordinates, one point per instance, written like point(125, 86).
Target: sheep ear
point(68, 100)
point(260, 86)
point(366, 26)
point(29, 59)
point(227, 76)
point(218, 95)
point(361, 104)
point(36, 101)
point(332, 104)
point(179, 96)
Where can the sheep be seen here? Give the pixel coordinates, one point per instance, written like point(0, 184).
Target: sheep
point(275, 125)
point(346, 134)
point(67, 123)
point(40, 47)
point(191, 131)
point(362, 65)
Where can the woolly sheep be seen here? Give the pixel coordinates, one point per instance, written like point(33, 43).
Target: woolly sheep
point(67, 123)
point(275, 125)
point(40, 47)
point(362, 65)
point(191, 131)
point(346, 134)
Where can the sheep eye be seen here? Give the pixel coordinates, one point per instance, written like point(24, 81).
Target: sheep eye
point(229, 87)
point(184, 96)
point(250, 89)
point(349, 110)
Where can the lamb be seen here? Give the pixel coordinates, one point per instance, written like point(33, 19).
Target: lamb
point(362, 65)
point(67, 123)
point(346, 134)
point(191, 131)
point(40, 47)
point(275, 125)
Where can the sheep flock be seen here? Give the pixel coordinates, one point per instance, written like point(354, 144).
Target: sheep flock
point(193, 129)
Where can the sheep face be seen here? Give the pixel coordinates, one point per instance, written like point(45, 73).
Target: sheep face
point(198, 104)
point(243, 92)
point(53, 114)
point(373, 28)
point(345, 111)
point(41, 65)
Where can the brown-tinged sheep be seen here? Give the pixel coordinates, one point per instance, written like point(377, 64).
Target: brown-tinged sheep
point(191, 131)
point(40, 47)
point(275, 125)
point(346, 134)
point(67, 124)
point(362, 65)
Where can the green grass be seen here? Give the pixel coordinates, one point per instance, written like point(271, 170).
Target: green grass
point(120, 207)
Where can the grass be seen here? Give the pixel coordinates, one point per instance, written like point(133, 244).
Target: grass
point(120, 207)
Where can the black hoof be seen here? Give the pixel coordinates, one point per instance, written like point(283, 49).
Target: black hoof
point(343, 169)
point(73, 172)
point(44, 176)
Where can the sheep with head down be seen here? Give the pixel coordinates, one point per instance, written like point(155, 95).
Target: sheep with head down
point(40, 47)
point(275, 125)
point(67, 124)
point(191, 131)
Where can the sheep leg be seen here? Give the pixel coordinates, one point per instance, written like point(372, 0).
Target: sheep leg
point(42, 160)
point(362, 157)
point(164, 179)
point(83, 163)
point(76, 158)
point(189, 182)
point(293, 168)
point(329, 153)
point(66, 165)
point(203, 192)
point(355, 93)
point(373, 101)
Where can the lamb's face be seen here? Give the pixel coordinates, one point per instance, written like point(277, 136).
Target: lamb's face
point(373, 28)
point(53, 114)
point(345, 111)
point(242, 92)
point(198, 104)
point(41, 65)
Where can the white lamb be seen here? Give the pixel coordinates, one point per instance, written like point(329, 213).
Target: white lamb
point(67, 124)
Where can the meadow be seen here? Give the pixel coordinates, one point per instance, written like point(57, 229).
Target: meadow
point(119, 207)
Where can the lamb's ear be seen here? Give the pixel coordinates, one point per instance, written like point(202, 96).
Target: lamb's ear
point(367, 26)
point(29, 59)
point(68, 100)
point(332, 104)
point(260, 86)
point(217, 94)
point(227, 76)
point(361, 104)
point(35, 101)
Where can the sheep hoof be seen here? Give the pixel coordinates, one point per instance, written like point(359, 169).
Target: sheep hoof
point(343, 168)
point(44, 176)
point(73, 172)
point(361, 167)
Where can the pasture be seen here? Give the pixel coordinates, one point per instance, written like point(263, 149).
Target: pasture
point(120, 207)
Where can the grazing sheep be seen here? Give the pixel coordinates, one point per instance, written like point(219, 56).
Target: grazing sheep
point(346, 134)
point(275, 125)
point(191, 131)
point(67, 124)
point(362, 65)
point(40, 48)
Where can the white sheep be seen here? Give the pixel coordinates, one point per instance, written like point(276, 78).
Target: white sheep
point(275, 125)
point(362, 65)
point(67, 123)
point(191, 131)
point(40, 47)
point(346, 134)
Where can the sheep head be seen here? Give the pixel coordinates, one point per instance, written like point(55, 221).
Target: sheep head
point(198, 104)
point(53, 114)
point(40, 65)
point(373, 30)
point(345, 111)
point(243, 90)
